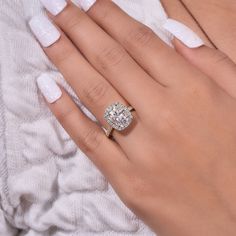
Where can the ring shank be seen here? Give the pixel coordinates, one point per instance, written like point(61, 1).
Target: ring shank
point(108, 131)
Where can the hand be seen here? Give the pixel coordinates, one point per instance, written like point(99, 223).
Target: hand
point(175, 165)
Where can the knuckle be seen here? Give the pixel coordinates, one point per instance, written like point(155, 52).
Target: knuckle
point(96, 92)
point(103, 11)
point(71, 19)
point(221, 58)
point(62, 55)
point(111, 56)
point(73, 23)
point(140, 36)
point(64, 115)
point(90, 141)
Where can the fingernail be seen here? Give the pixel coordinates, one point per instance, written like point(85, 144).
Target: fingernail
point(183, 33)
point(44, 30)
point(54, 6)
point(49, 88)
point(85, 4)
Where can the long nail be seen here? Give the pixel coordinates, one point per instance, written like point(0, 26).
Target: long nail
point(183, 33)
point(54, 6)
point(85, 4)
point(49, 88)
point(44, 30)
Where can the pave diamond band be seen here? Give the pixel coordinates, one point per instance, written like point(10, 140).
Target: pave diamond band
point(118, 116)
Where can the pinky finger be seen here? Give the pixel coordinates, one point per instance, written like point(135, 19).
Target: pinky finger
point(103, 152)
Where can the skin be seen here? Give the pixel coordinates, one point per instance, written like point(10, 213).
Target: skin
point(175, 166)
point(217, 19)
point(177, 10)
point(214, 21)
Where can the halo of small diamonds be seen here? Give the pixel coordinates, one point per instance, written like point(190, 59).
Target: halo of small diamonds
point(118, 116)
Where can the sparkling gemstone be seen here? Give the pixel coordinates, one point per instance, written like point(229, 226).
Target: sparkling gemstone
point(118, 116)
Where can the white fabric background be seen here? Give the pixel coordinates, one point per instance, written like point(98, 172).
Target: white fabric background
point(47, 185)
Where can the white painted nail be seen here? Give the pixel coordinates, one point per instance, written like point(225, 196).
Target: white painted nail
point(44, 30)
point(84, 4)
point(54, 6)
point(49, 88)
point(183, 33)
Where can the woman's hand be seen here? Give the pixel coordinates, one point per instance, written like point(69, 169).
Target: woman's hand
point(175, 165)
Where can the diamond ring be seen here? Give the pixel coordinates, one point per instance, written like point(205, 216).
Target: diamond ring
point(118, 116)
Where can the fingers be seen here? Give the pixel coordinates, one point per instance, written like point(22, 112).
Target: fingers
point(157, 58)
point(213, 63)
point(105, 154)
point(106, 55)
point(94, 91)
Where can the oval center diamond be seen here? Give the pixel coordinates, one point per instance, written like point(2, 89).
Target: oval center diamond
point(118, 116)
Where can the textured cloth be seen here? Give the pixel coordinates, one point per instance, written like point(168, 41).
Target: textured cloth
point(47, 185)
